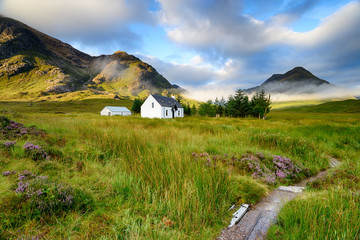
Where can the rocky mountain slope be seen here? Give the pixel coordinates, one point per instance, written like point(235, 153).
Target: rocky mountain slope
point(297, 81)
point(33, 64)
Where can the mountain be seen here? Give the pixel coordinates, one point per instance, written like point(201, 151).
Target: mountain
point(297, 81)
point(33, 64)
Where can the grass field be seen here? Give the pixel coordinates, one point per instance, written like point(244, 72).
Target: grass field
point(133, 178)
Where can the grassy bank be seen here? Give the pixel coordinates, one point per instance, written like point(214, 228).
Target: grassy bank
point(162, 179)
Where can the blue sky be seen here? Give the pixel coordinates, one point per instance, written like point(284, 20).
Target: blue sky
point(210, 47)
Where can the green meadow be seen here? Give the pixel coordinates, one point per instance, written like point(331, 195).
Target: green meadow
point(99, 177)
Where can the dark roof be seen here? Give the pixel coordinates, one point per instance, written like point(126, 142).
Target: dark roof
point(166, 101)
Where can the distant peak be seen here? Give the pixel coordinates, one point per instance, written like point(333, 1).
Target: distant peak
point(297, 75)
point(123, 56)
point(120, 52)
point(299, 70)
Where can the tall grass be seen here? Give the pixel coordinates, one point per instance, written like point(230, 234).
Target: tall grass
point(143, 178)
point(332, 214)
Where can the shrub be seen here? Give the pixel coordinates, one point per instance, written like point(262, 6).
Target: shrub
point(270, 169)
point(41, 197)
point(8, 145)
point(11, 130)
point(35, 152)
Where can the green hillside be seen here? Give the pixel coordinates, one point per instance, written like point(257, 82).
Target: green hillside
point(346, 106)
point(34, 65)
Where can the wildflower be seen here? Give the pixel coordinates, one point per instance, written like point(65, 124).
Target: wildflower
point(21, 187)
point(260, 155)
point(9, 144)
point(30, 146)
point(8, 173)
point(68, 199)
point(208, 162)
point(280, 174)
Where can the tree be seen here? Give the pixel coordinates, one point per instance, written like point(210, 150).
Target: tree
point(238, 105)
point(207, 109)
point(187, 109)
point(219, 106)
point(193, 110)
point(165, 93)
point(136, 107)
point(260, 104)
point(179, 98)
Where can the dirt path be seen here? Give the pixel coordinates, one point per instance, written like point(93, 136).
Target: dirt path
point(256, 222)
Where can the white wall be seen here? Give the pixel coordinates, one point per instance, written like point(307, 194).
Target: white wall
point(148, 111)
point(177, 113)
point(121, 113)
point(181, 111)
point(106, 111)
point(158, 111)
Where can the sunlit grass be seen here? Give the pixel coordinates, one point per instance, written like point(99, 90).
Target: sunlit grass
point(144, 180)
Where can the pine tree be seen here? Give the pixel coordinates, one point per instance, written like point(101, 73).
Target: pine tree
point(136, 107)
point(187, 109)
point(260, 104)
point(207, 109)
point(238, 105)
point(219, 106)
point(193, 110)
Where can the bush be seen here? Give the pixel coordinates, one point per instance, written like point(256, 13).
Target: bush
point(11, 130)
point(40, 197)
point(35, 152)
point(270, 169)
point(8, 145)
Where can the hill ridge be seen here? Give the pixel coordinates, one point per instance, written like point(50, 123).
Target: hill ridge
point(296, 80)
point(34, 64)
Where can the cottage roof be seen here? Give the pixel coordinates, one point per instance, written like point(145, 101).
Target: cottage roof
point(118, 109)
point(166, 101)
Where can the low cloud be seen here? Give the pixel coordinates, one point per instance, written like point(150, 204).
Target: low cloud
point(339, 93)
point(268, 45)
point(209, 92)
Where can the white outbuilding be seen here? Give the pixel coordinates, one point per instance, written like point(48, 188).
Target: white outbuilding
point(112, 111)
point(156, 106)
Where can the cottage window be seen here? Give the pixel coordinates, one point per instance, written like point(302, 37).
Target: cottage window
point(166, 113)
point(152, 104)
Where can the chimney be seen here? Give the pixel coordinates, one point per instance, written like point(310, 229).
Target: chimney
point(173, 96)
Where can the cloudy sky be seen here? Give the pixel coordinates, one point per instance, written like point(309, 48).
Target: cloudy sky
point(210, 47)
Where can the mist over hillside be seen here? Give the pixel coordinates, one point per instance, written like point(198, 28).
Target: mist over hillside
point(299, 84)
point(33, 65)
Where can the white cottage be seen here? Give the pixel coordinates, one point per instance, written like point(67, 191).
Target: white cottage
point(112, 111)
point(156, 106)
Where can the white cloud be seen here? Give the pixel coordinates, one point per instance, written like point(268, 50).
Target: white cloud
point(234, 35)
point(209, 92)
point(74, 16)
point(337, 27)
point(87, 22)
point(205, 81)
point(197, 60)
